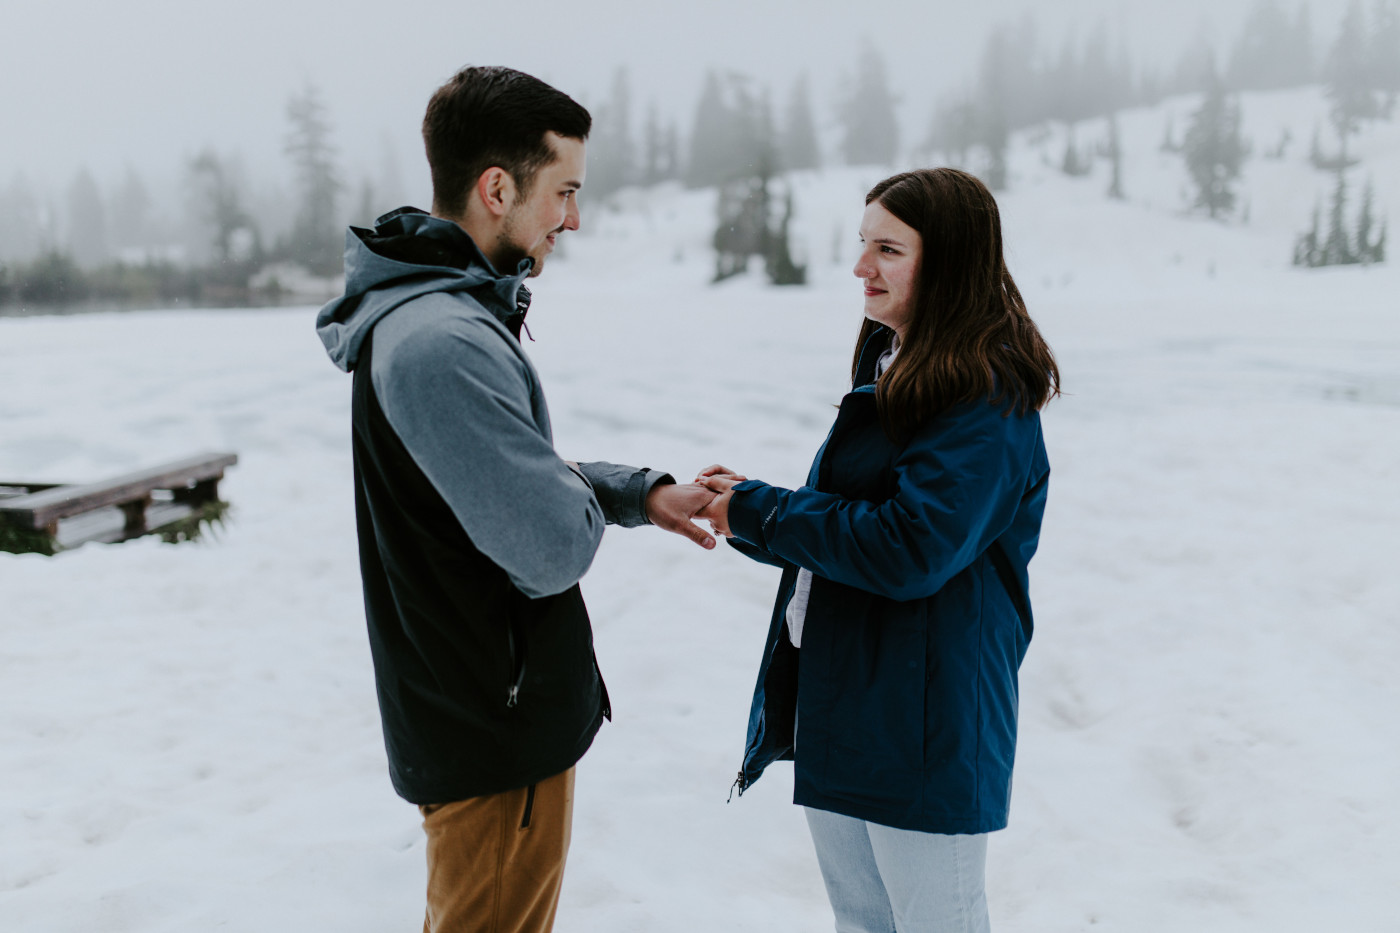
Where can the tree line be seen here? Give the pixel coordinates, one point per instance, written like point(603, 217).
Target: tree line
point(739, 140)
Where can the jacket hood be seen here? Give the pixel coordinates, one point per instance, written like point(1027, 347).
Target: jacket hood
point(408, 254)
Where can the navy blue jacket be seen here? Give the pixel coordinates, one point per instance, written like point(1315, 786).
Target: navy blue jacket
point(905, 687)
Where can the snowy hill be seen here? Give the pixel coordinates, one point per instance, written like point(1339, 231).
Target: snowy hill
point(1208, 730)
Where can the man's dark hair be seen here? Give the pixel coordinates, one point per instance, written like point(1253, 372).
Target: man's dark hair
point(487, 117)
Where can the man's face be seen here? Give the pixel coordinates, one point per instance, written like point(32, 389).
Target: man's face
point(532, 224)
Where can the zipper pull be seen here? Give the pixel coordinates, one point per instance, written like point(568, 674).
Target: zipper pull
point(513, 696)
point(739, 785)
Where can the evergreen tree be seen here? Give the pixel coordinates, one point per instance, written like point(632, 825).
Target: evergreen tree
point(800, 149)
point(871, 130)
point(316, 238)
point(131, 208)
point(1115, 156)
point(218, 195)
point(1364, 224)
point(733, 136)
point(1169, 143)
point(709, 162)
point(953, 131)
point(653, 145)
point(1336, 250)
point(671, 151)
point(87, 221)
point(1301, 49)
point(1383, 55)
point(1271, 52)
point(1214, 150)
point(612, 163)
point(1074, 163)
point(1195, 70)
point(1306, 251)
point(778, 261)
point(993, 132)
point(1348, 78)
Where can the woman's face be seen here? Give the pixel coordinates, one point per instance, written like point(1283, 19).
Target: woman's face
point(889, 266)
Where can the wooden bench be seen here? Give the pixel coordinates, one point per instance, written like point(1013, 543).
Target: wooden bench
point(172, 499)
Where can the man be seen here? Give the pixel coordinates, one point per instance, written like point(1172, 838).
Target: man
point(473, 532)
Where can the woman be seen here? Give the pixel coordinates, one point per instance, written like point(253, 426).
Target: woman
point(902, 616)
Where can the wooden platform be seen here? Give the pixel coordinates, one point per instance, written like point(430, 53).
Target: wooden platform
point(173, 499)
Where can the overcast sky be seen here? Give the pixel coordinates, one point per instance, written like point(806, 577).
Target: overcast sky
point(148, 82)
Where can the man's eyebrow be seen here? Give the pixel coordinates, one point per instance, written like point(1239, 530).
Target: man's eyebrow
point(571, 183)
point(886, 240)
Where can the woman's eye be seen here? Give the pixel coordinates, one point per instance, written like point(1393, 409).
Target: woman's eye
point(889, 249)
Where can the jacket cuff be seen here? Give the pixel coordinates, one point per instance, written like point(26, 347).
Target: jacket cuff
point(750, 508)
point(622, 490)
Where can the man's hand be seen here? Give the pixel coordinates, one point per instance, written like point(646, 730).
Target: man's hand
point(672, 506)
point(717, 511)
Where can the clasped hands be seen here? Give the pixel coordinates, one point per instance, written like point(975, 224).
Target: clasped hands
point(675, 505)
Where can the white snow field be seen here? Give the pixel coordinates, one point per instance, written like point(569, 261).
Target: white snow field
point(1209, 737)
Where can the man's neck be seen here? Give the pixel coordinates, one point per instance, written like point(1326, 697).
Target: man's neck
point(483, 234)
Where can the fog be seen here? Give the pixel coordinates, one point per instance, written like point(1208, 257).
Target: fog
point(147, 83)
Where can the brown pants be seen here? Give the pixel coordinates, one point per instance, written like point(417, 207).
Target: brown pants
point(495, 863)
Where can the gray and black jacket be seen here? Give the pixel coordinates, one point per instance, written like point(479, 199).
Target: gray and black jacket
point(473, 532)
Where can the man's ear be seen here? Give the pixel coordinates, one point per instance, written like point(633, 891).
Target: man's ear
point(496, 191)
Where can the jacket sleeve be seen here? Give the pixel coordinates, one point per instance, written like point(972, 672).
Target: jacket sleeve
point(958, 484)
point(622, 490)
point(460, 401)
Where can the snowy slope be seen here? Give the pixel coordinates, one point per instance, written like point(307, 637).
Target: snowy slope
point(1208, 739)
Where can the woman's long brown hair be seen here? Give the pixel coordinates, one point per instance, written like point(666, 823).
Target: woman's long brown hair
point(970, 336)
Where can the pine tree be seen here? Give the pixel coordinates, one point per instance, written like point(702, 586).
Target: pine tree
point(1336, 250)
point(1073, 163)
point(732, 135)
point(1383, 54)
point(218, 194)
point(131, 206)
point(1267, 56)
point(1169, 143)
point(316, 238)
point(778, 262)
point(1214, 150)
point(1115, 155)
point(871, 130)
point(1347, 78)
point(1364, 224)
point(706, 163)
point(800, 149)
point(953, 132)
point(87, 221)
point(612, 163)
point(1305, 249)
point(993, 132)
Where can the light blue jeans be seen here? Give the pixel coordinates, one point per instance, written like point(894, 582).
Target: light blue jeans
point(884, 880)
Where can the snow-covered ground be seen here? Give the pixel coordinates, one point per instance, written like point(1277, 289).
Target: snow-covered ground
point(1209, 737)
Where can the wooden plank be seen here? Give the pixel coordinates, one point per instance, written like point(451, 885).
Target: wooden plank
point(41, 509)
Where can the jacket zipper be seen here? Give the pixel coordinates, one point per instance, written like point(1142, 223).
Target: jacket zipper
point(516, 640)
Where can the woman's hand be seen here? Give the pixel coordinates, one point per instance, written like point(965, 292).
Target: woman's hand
point(717, 512)
point(715, 469)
